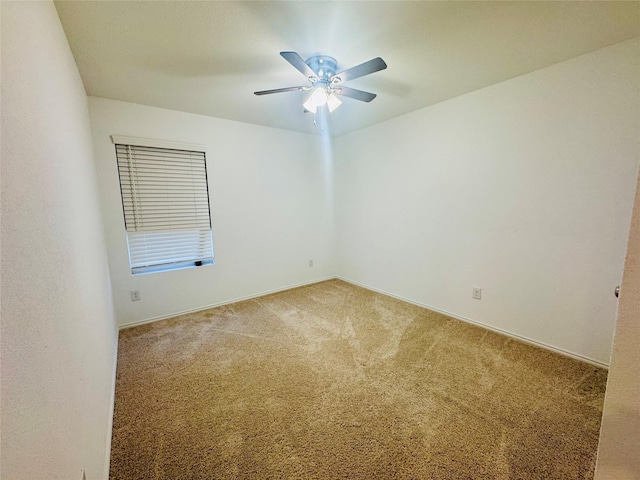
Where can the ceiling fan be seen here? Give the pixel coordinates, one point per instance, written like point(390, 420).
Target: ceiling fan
point(325, 83)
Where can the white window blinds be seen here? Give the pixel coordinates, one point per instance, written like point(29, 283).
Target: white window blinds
point(165, 200)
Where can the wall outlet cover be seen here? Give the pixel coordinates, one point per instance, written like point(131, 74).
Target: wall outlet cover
point(476, 293)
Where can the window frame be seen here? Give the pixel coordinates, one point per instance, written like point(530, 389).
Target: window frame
point(139, 233)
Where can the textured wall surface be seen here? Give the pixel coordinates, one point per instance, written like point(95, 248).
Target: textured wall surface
point(58, 330)
point(523, 188)
point(619, 450)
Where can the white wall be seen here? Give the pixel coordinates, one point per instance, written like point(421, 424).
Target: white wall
point(58, 331)
point(523, 188)
point(270, 210)
point(618, 452)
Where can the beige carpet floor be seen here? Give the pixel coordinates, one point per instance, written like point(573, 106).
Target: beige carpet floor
point(333, 381)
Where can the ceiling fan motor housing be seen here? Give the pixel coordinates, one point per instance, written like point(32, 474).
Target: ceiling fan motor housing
point(323, 66)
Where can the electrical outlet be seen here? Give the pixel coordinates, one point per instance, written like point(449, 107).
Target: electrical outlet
point(476, 293)
point(135, 295)
point(311, 263)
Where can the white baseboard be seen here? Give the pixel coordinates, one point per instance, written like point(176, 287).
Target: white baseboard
point(112, 405)
point(225, 302)
point(530, 341)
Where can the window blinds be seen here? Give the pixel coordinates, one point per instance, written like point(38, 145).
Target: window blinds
point(165, 201)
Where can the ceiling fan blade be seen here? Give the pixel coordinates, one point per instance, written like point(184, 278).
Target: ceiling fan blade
point(279, 90)
point(296, 60)
point(361, 70)
point(353, 93)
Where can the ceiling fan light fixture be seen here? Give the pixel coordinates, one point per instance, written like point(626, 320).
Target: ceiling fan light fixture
point(318, 98)
point(333, 102)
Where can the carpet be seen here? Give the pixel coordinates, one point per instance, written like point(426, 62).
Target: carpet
point(332, 381)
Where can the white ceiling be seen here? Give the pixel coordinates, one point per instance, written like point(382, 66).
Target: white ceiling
point(209, 57)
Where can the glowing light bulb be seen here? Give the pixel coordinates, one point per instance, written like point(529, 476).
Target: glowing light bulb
point(317, 99)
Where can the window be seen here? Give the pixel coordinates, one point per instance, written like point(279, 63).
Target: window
point(165, 200)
